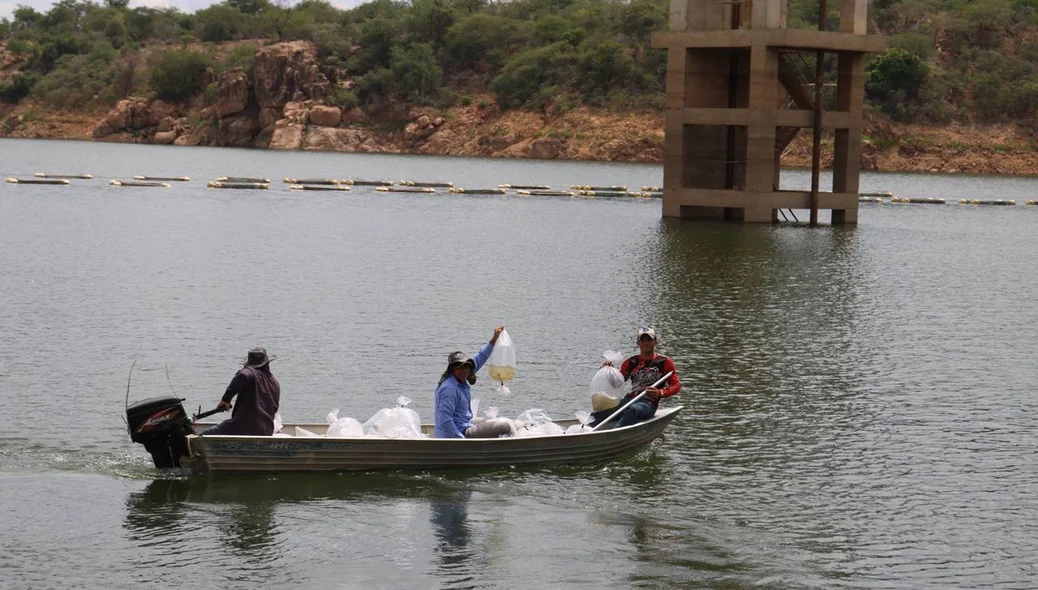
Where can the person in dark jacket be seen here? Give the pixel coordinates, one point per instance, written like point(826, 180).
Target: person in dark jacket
point(259, 396)
point(642, 370)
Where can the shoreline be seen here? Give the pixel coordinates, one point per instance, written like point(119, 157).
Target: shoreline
point(636, 138)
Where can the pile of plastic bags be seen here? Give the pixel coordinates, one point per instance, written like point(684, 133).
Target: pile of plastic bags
point(396, 422)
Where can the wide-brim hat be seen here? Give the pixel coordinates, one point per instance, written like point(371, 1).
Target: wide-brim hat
point(601, 400)
point(258, 357)
point(459, 358)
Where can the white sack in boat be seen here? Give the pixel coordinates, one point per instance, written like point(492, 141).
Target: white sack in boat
point(583, 417)
point(398, 422)
point(344, 427)
point(535, 422)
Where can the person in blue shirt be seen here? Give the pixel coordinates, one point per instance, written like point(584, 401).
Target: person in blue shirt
point(454, 396)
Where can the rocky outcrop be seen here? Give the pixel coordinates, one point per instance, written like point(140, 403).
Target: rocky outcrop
point(421, 127)
point(138, 117)
point(325, 116)
point(295, 112)
point(286, 72)
point(269, 116)
point(232, 93)
point(120, 117)
point(354, 115)
point(287, 136)
point(545, 149)
point(235, 131)
point(327, 139)
point(164, 137)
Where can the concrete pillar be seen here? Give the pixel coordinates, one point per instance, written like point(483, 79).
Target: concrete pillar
point(724, 90)
point(845, 217)
point(850, 83)
point(768, 14)
point(854, 16)
point(846, 160)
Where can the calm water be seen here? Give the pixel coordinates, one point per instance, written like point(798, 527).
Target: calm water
point(860, 408)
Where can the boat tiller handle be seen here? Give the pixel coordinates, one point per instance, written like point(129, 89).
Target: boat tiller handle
point(202, 414)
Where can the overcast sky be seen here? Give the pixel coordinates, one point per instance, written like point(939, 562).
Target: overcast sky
point(7, 6)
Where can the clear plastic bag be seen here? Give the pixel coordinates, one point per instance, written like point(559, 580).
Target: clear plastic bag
point(344, 427)
point(398, 422)
point(609, 379)
point(582, 417)
point(502, 362)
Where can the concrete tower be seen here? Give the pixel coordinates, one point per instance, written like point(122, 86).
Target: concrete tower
point(736, 98)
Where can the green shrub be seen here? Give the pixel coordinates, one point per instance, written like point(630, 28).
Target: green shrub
point(415, 71)
point(896, 70)
point(551, 29)
point(342, 98)
point(177, 75)
point(913, 42)
point(375, 86)
point(240, 57)
point(429, 20)
point(529, 78)
point(603, 67)
point(19, 46)
point(219, 23)
point(480, 39)
point(75, 81)
point(18, 87)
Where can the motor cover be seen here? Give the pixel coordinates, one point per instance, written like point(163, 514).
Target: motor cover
point(161, 425)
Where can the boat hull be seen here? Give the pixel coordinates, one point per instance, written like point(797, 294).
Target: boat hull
point(256, 454)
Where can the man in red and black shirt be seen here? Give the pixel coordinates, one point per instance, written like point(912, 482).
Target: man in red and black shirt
point(642, 370)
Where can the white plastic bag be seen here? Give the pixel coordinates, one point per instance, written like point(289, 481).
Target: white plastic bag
point(609, 379)
point(278, 425)
point(502, 361)
point(582, 417)
point(398, 422)
point(344, 427)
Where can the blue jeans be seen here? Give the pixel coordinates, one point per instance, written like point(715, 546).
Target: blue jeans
point(638, 412)
point(211, 430)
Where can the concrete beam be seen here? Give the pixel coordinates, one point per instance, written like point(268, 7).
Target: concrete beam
point(743, 117)
point(778, 38)
point(757, 200)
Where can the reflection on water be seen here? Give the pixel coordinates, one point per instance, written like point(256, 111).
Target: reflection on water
point(449, 516)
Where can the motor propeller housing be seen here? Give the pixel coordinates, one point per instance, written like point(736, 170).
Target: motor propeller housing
point(161, 425)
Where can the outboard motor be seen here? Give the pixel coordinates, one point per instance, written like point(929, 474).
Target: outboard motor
point(161, 425)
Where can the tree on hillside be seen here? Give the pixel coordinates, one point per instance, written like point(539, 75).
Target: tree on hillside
point(248, 6)
point(429, 21)
point(893, 78)
point(220, 22)
point(177, 75)
point(415, 71)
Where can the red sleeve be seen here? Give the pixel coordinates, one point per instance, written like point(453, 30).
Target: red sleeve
point(673, 384)
point(626, 368)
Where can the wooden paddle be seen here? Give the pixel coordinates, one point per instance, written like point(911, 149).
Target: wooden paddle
point(628, 404)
